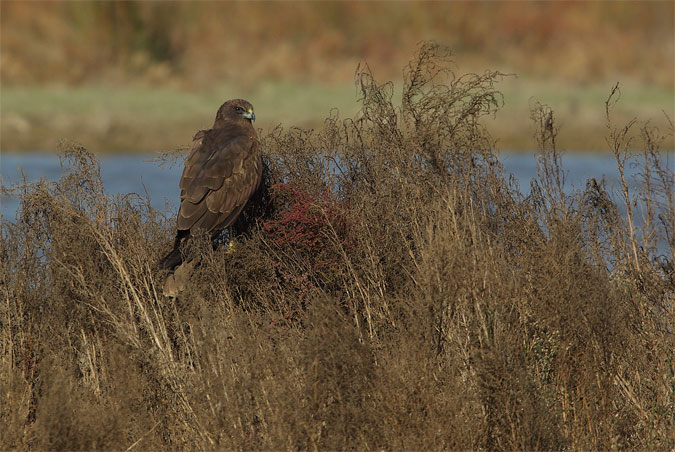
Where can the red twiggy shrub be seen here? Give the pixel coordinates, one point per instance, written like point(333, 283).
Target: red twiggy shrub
point(308, 222)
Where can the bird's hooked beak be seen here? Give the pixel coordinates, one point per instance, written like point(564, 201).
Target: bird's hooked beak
point(249, 114)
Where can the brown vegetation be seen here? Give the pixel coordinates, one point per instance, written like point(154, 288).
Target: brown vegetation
point(400, 294)
point(243, 43)
point(127, 76)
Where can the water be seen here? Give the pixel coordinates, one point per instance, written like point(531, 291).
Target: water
point(578, 168)
point(121, 174)
point(139, 174)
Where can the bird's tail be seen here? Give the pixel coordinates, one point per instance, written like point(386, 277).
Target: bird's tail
point(171, 260)
point(175, 257)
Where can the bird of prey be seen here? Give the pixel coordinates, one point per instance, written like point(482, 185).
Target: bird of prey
point(221, 173)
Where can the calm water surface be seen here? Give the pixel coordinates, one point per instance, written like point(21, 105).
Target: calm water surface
point(121, 174)
point(124, 174)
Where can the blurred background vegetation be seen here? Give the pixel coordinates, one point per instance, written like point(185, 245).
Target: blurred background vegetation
point(140, 76)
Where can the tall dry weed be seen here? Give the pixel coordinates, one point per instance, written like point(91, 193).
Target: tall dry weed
point(392, 290)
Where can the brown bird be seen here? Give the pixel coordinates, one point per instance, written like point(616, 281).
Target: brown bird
point(223, 170)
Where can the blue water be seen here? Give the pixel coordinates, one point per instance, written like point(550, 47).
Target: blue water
point(121, 174)
point(140, 174)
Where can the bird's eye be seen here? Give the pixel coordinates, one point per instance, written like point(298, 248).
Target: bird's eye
point(238, 109)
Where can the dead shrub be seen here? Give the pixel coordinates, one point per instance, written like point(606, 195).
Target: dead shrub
point(389, 288)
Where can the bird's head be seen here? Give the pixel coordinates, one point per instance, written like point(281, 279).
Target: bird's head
point(235, 110)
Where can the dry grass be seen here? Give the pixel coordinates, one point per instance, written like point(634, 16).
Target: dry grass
point(393, 291)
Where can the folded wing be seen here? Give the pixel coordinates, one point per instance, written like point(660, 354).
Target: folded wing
point(221, 173)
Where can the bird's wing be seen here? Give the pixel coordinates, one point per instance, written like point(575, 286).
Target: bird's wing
point(219, 177)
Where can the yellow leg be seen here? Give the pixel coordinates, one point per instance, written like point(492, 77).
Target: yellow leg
point(230, 245)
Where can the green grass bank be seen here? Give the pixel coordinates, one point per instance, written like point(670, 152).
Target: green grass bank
point(142, 118)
